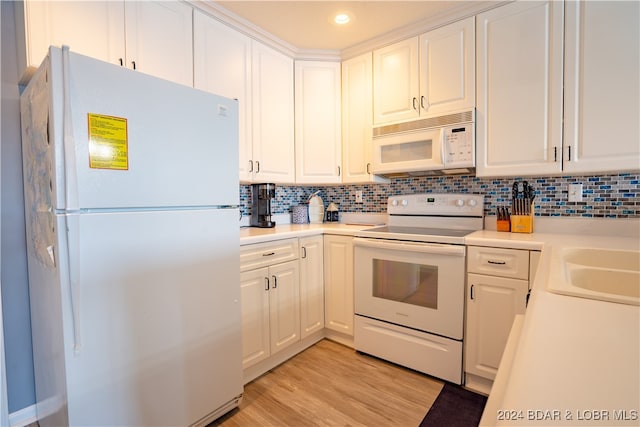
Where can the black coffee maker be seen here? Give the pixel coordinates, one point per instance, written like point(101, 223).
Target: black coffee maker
point(261, 195)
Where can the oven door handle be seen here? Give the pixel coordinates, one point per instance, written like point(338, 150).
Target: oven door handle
point(431, 248)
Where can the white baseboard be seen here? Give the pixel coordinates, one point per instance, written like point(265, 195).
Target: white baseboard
point(23, 417)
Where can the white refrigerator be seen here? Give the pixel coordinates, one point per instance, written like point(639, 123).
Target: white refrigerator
point(132, 209)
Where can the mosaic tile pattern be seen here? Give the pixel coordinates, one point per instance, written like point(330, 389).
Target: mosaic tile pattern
point(604, 196)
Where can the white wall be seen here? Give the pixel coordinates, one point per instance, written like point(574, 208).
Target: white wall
point(15, 287)
point(4, 410)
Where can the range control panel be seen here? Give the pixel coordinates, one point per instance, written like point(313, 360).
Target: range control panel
point(445, 204)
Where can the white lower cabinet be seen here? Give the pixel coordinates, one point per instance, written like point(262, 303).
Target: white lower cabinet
point(311, 285)
point(270, 306)
point(494, 298)
point(338, 283)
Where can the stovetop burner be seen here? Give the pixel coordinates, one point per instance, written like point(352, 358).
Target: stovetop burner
point(431, 217)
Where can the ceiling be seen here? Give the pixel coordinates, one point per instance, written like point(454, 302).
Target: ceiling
point(309, 24)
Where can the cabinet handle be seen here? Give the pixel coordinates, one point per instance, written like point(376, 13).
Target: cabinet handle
point(496, 262)
point(257, 166)
point(368, 168)
point(569, 152)
point(275, 281)
point(339, 171)
point(555, 154)
point(266, 283)
point(471, 292)
point(422, 103)
point(250, 165)
point(268, 253)
point(121, 61)
point(526, 300)
point(415, 103)
point(134, 64)
point(304, 252)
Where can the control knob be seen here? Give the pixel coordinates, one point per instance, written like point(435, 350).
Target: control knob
point(472, 202)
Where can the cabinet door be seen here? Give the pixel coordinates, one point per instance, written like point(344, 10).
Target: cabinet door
point(254, 292)
point(602, 57)
point(311, 285)
point(447, 68)
point(159, 39)
point(396, 82)
point(272, 112)
point(284, 305)
point(338, 282)
point(492, 304)
point(357, 120)
point(317, 122)
point(222, 65)
point(519, 89)
point(94, 28)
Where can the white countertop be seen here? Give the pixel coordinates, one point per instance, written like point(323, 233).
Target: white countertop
point(249, 235)
point(577, 361)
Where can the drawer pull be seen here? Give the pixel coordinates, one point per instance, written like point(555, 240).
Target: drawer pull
point(269, 254)
point(496, 262)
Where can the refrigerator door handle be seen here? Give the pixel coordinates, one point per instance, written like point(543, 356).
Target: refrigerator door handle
point(71, 233)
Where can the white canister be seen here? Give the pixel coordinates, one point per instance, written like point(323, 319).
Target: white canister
point(316, 210)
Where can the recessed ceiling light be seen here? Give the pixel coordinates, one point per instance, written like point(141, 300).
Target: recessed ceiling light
point(341, 18)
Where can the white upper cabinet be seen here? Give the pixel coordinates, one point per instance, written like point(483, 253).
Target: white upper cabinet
point(229, 63)
point(448, 68)
point(396, 83)
point(425, 75)
point(357, 120)
point(222, 65)
point(548, 106)
point(317, 122)
point(154, 37)
point(519, 89)
point(92, 28)
point(159, 39)
point(602, 87)
point(272, 112)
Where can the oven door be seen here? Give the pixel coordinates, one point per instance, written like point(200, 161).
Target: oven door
point(418, 285)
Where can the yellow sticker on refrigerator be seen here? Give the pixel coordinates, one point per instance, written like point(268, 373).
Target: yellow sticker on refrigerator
point(108, 142)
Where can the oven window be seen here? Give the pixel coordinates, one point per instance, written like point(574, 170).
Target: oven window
point(415, 284)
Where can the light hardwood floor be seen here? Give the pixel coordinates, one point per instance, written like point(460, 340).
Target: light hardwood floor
point(333, 385)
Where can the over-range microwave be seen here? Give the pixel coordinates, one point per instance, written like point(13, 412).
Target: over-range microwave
point(431, 146)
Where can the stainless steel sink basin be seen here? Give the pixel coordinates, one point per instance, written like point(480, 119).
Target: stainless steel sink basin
point(601, 274)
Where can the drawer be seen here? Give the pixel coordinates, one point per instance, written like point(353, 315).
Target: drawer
point(498, 262)
point(270, 253)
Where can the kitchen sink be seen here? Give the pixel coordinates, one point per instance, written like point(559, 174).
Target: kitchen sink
point(601, 274)
point(603, 258)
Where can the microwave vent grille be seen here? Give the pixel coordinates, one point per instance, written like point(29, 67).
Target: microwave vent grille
point(431, 122)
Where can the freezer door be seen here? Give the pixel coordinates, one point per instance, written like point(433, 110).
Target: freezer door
point(151, 316)
point(124, 139)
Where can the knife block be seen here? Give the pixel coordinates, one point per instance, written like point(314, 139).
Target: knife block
point(522, 223)
point(503, 225)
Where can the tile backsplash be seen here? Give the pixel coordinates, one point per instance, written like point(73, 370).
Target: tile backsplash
point(604, 196)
